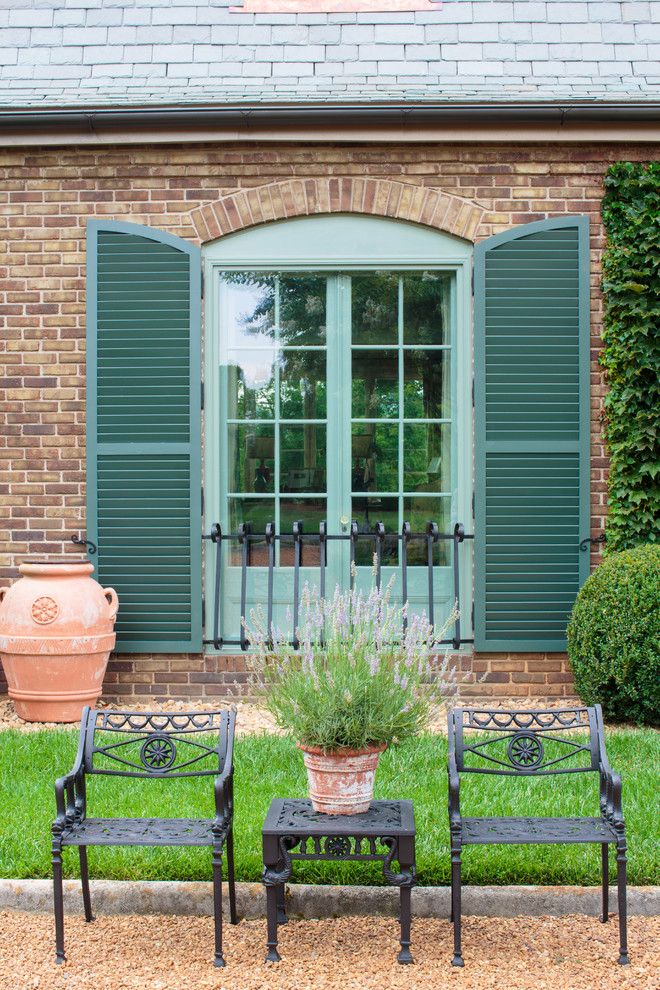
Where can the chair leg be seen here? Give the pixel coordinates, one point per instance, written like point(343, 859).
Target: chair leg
point(233, 916)
point(604, 852)
point(621, 860)
point(58, 903)
point(84, 881)
point(456, 904)
point(217, 904)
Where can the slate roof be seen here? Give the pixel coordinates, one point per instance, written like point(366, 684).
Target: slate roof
point(103, 53)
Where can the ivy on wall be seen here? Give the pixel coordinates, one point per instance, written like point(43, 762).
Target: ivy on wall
point(631, 356)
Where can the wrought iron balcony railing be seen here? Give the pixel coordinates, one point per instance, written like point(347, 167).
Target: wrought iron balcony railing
point(244, 540)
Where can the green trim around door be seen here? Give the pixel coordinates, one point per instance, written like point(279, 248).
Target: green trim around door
point(532, 416)
point(144, 431)
point(339, 246)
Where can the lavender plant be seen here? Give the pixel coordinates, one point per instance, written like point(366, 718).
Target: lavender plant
point(357, 680)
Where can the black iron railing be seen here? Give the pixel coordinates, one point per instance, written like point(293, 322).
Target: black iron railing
point(298, 541)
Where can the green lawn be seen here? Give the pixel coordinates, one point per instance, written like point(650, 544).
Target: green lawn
point(268, 766)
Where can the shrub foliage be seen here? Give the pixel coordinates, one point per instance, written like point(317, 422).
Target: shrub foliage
point(631, 284)
point(614, 636)
point(355, 680)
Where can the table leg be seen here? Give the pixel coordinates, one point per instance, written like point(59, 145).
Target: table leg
point(405, 955)
point(271, 919)
point(281, 906)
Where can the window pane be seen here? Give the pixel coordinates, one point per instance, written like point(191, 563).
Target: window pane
point(375, 384)
point(302, 385)
point(375, 458)
point(426, 308)
point(309, 511)
point(302, 458)
point(375, 306)
point(426, 457)
point(251, 458)
point(418, 512)
point(426, 390)
point(256, 511)
point(367, 512)
point(250, 310)
point(302, 309)
point(251, 387)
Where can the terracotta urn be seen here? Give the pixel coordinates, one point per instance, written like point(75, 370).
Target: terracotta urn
point(56, 634)
point(342, 782)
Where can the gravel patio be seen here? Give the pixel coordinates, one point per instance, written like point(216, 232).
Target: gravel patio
point(171, 953)
point(253, 718)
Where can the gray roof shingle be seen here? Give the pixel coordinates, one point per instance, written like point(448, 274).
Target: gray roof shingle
point(117, 52)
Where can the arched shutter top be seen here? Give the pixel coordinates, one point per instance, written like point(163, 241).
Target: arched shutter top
point(532, 432)
point(144, 439)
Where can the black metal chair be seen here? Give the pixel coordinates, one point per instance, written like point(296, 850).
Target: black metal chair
point(534, 743)
point(147, 745)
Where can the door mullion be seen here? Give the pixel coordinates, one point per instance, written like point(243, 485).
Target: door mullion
point(276, 413)
point(401, 357)
point(339, 356)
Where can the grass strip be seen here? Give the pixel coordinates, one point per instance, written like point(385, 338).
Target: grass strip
point(270, 766)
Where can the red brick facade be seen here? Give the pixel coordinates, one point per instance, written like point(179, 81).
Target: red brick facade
point(200, 192)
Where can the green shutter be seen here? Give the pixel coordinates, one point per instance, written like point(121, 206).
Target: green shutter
point(532, 432)
point(143, 431)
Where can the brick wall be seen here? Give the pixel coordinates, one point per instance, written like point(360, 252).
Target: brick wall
point(47, 195)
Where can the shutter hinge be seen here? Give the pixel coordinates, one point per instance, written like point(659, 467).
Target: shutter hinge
point(472, 280)
point(202, 283)
point(472, 623)
point(473, 393)
point(201, 397)
point(473, 499)
point(202, 499)
point(203, 613)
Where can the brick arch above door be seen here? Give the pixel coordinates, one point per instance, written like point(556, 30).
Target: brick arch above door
point(306, 197)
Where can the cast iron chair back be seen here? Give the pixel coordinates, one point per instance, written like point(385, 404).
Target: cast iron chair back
point(526, 743)
point(151, 745)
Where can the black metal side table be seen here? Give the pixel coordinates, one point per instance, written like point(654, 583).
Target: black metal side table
point(293, 830)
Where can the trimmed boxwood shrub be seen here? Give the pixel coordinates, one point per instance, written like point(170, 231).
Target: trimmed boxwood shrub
point(614, 636)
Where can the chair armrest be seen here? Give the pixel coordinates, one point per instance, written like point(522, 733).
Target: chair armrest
point(224, 782)
point(610, 795)
point(69, 798)
point(224, 795)
point(610, 782)
point(454, 801)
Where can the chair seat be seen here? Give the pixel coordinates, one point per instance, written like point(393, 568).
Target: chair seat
point(482, 831)
point(140, 832)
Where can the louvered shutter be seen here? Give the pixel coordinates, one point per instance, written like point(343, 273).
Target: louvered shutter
point(532, 432)
point(143, 431)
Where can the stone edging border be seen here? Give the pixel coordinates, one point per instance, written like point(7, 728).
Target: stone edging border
point(314, 901)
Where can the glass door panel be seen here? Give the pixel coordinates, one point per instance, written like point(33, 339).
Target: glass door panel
point(337, 399)
point(274, 444)
point(401, 423)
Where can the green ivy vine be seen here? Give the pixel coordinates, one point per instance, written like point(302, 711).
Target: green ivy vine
point(631, 356)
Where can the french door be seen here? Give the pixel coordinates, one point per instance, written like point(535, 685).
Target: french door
point(337, 402)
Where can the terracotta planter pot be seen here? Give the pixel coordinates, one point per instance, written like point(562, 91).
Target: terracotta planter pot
point(341, 783)
point(56, 634)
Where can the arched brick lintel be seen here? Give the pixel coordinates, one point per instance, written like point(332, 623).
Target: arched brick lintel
point(305, 197)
